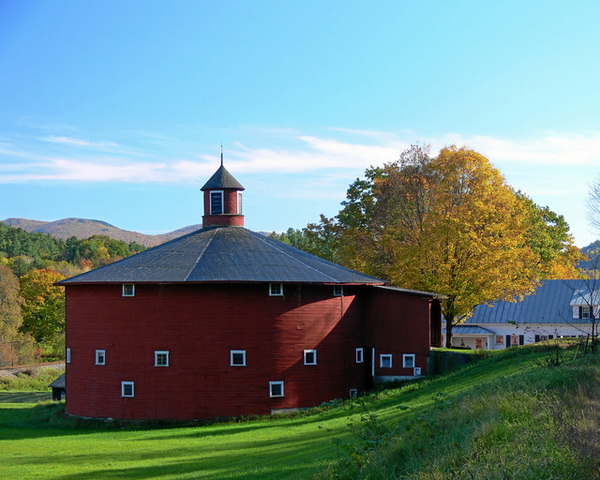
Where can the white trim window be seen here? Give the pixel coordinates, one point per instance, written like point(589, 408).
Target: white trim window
point(408, 360)
point(127, 389)
point(128, 290)
point(275, 289)
point(100, 357)
point(338, 290)
point(499, 339)
point(276, 389)
point(310, 357)
point(239, 203)
point(161, 358)
point(385, 360)
point(237, 358)
point(417, 371)
point(68, 355)
point(360, 355)
point(353, 393)
point(216, 202)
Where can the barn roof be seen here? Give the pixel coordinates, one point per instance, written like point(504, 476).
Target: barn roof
point(552, 302)
point(222, 179)
point(223, 254)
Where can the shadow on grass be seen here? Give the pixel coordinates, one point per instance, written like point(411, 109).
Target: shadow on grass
point(24, 397)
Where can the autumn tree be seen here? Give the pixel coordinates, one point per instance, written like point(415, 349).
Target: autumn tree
point(449, 225)
point(44, 305)
point(13, 343)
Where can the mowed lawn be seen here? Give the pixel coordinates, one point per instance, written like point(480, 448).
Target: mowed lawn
point(37, 442)
point(283, 448)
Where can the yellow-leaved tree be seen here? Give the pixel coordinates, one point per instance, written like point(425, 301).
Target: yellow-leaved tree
point(450, 225)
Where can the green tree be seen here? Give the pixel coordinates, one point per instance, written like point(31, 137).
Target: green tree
point(43, 308)
point(450, 225)
point(15, 347)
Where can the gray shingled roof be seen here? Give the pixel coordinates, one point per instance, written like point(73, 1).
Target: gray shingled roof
point(223, 254)
point(59, 382)
point(551, 303)
point(222, 179)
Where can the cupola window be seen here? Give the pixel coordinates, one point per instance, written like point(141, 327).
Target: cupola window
point(216, 202)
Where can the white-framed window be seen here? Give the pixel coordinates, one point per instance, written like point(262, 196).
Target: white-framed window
point(338, 290)
point(385, 360)
point(129, 290)
point(100, 357)
point(161, 358)
point(276, 389)
point(310, 357)
point(499, 339)
point(239, 203)
point(514, 340)
point(417, 371)
point(216, 202)
point(275, 289)
point(360, 355)
point(237, 358)
point(127, 389)
point(408, 360)
point(585, 312)
point(353, 393)
point(68, 355)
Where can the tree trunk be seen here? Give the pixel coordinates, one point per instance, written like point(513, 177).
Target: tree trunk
point(449, 326)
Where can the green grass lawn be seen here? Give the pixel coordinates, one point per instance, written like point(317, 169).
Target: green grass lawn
point(489, 419)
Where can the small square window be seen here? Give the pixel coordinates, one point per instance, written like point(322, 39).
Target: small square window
point(310, 357)
point(100, 357)
point(353, 393)
point(338, 290)
point(276, 389)
point(161, 358)
point(408, 360)
point(127, 389)
point(585, 312)
point(417, 371)
point(128, 290)
point(385, 360)
point(499, 339)
point(68, 355)
point(275, 289)
point(237, 358)
point(360, 356)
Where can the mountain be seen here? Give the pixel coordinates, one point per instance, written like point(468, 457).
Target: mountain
point(85, 228)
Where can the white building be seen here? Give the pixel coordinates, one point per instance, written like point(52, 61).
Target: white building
point(558, 308)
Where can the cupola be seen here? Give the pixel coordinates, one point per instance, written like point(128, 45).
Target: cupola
point(222, 200)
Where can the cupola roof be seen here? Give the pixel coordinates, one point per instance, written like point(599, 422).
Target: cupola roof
point(222, 179)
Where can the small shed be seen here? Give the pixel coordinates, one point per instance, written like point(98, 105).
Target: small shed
point(58, 388)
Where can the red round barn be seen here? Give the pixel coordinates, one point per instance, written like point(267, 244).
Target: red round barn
point(227, 322)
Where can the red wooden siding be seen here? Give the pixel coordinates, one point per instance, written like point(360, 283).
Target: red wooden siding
point(199, 325)
point(399, 324)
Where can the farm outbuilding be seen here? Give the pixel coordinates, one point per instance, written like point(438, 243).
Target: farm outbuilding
point(228, 322)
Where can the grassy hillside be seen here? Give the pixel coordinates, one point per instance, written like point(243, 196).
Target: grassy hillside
point(508, 416)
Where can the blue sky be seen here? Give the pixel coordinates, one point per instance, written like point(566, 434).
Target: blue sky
point(116, 109)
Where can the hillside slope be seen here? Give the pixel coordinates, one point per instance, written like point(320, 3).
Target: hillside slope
point(85, 228)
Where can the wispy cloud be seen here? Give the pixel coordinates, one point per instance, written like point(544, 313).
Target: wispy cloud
point(82, 160)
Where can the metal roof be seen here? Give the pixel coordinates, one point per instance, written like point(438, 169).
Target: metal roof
point(552, 302)
point(223, 254)
point(222, 179)
point(470, 330)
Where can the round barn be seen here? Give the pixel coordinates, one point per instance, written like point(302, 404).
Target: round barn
point(228, 322)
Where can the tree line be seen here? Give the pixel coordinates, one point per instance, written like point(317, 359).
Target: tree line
point(32, 308)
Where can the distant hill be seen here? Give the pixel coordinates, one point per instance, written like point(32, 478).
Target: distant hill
point(85, 228)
